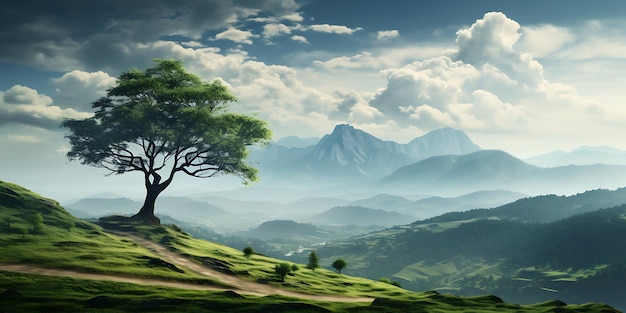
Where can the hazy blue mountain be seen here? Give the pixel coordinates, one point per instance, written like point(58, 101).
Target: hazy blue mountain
point(361, 216)
point(433, 206)
point(297, 142)
point(383, 202)
point(493, 169)
point(486, 168)
point(585, 155)
point(445, 141)
point(541, 209)
point(181, 208)
point(348, 153)
point(97, 207)
point(315, 204)
point(284, 230)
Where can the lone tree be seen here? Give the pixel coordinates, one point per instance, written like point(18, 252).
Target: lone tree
point(37, 220)
point(282, 270)
point(247, 252)
point(314, 261)
point(164, 121)
point(339, 264)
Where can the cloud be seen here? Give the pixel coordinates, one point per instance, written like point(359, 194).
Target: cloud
point(362, 60)
point(273, 30)
point(23, 138)
point(329, 29)
point(544, 40)
point(192, 43)
point(491, 40)
point(293, 17)
point(87, 36)
point(299, 38)
point(387, 34)
point(378, 58)
point(78, 89)
point(236, 35)
point(485, 84)
point(24, 105)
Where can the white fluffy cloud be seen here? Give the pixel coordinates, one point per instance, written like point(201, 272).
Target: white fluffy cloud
point(237, 35)
point(24, 105)
point(275, 29)
point(387, 34)
point(78, 89)
point(544, 40)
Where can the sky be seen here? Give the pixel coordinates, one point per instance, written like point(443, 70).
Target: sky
point(527, 77)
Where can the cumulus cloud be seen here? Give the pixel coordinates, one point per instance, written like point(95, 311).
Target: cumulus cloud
point(24, 105)
point(237, 35)
point(485, 84)
point(387, 34)
point(273, 30)
point(544, 40)
point(293, 17)
point(78, 89)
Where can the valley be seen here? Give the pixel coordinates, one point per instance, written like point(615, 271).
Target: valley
point(442, 215)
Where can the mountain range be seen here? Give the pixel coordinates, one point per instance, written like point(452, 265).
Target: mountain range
point(348, 153)
point(585, 155)
point(494, 169)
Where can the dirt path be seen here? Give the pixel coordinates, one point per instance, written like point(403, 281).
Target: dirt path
point(241, 285)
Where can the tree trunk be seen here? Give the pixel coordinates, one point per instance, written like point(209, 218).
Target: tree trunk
point(146, 213)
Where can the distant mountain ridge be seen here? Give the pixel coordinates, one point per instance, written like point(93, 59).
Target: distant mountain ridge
point(585, 155)
point(349, 153)
point(495, 169)
point(361, 216)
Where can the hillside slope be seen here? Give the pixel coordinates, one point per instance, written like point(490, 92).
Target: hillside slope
point(577, 253)
point(65, 243)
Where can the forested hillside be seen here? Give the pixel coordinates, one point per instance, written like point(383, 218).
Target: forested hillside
point(580, 258)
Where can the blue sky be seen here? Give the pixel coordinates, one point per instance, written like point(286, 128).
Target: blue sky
point(527, 77)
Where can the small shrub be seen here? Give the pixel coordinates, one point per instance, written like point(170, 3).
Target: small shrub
point(295, 267)
point(388, 281)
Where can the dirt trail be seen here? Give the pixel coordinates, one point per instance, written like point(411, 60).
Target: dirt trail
point(240, 285)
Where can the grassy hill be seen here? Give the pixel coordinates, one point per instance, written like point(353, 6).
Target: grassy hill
point(148, 281)
point(505, 251)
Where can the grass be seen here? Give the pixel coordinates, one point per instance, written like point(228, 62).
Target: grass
point(86, 247)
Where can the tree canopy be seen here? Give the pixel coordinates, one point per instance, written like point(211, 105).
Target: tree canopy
point(164, 121)
point(339, 265)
